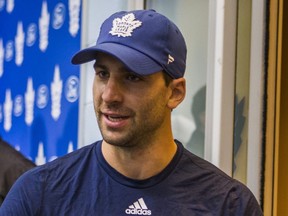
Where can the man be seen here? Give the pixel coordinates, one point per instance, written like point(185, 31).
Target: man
point(12, 165)
point(138, 168)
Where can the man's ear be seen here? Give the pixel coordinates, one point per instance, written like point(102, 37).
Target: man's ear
point(178, 91)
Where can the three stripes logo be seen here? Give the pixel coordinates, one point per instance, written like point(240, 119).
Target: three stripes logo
point(138, 208)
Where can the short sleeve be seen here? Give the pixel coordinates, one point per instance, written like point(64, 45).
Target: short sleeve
point(242, 202)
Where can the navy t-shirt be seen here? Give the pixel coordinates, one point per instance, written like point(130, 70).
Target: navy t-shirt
point(83, 183)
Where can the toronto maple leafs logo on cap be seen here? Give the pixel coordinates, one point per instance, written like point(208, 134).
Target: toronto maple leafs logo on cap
point(123, 27)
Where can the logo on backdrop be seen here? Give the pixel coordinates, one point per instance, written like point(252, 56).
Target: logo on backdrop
point(74, 11)
point(42, 96)
point(9, 51)
point(56, 92)
point(19, 44)
point(72, 89)
point(44, 27)
point(8, 104)
point(10, 6)
point(31, 34)
point(29, 102)
point(18, 105)
point(59, 16)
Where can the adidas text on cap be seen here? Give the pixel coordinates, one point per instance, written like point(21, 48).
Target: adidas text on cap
point(143, 40)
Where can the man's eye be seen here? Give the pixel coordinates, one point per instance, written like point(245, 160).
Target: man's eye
point(102, 74)
point(133, 77)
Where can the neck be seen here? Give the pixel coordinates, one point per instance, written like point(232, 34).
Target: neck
point(140, 163)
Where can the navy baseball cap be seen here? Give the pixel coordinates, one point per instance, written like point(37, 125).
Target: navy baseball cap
point(143, 40)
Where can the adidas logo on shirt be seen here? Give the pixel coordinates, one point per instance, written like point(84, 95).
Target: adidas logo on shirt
point(138, 208)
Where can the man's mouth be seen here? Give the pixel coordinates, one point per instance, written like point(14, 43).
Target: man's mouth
point(115, 118)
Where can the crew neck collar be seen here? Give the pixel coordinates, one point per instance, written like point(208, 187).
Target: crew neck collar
point(114, 174)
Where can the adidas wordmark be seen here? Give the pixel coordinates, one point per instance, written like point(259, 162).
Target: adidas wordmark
point(138, 208)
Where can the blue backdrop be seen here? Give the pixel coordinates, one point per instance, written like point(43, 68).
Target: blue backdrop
point(39, 87)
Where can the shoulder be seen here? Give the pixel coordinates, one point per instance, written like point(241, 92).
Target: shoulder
point(67, 163)
point(205, 171)
point(214, 184)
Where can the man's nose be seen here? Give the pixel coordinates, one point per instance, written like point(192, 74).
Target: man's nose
point(112, 91)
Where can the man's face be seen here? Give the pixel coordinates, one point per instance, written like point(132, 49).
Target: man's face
point(131, 110)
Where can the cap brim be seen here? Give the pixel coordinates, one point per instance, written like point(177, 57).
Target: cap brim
point(131, 58)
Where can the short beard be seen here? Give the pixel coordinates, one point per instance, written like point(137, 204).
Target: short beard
point(143, 133)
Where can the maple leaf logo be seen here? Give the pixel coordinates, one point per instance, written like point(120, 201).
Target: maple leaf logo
point(124, 27)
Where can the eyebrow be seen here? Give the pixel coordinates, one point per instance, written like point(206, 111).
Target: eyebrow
point(123, 69)
point(100, 65)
